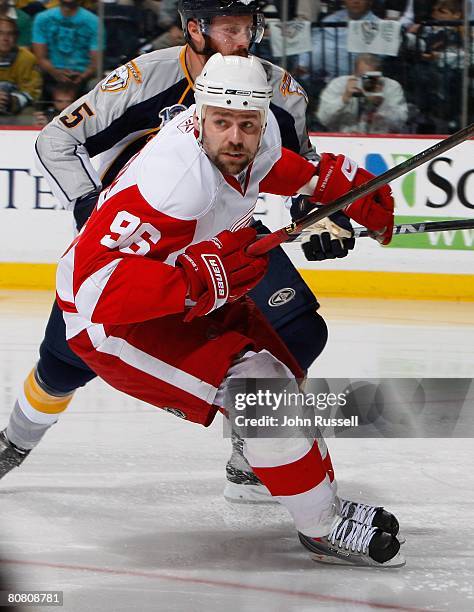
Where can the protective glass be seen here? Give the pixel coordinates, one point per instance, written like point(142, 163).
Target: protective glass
point(233, 32)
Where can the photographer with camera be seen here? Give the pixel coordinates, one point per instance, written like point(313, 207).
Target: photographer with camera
point(366, 102)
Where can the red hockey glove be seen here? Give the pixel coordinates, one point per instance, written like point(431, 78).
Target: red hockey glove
point(220, 271)
point(337, 175)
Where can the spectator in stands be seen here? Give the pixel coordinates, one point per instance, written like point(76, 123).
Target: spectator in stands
point(279, 8)
point(20, 79)
point(308, 10)
point(23, 21)
point(125, 24)
point(264, 48)
point(444, 45)
point(297, 33)
point(31, 7)
point(439, 64)
point(365, 102)
point(62, 95)
point(169, 26)
point(151, 12)
point(407, 12)
point(65, 42)
point(172, 37)
point(330, 55)
point(168, 13)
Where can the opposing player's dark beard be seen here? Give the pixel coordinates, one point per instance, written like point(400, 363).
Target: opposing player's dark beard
point(241, 52)
point(209, 50)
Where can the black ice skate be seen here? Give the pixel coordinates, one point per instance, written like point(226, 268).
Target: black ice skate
point(242, 484)
point(355, 545)
point(244, 487)
point(10, 455)
point(374, 516)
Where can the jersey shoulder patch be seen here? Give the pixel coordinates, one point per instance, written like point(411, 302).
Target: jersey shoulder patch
point(168, 113)
point(120, 78)
point(186, 126)
point(289, 86)
point(282, 81)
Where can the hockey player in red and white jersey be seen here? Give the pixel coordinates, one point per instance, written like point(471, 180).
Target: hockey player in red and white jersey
point(115, 119)
point(153, 289)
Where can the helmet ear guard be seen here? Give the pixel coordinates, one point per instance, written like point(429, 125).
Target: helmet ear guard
point(233, 82)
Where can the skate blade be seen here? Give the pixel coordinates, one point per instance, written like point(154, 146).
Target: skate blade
point(397, 561)
point(247, 494)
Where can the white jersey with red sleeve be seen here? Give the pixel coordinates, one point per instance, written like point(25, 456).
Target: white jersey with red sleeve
point(120, 269)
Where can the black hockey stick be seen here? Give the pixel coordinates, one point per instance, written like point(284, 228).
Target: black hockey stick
point(421, 228)
point(406, 229)
point(265, 244)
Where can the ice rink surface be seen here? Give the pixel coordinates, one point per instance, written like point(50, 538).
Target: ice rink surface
point(121, 506)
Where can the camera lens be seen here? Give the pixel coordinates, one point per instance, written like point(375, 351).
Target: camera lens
point(369, 83)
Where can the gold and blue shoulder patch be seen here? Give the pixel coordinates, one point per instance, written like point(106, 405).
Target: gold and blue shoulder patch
point(289, 87)
point(119, 79)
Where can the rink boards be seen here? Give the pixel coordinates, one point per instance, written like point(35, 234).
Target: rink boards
point(35, 231)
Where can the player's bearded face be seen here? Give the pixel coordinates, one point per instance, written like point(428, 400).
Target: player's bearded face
point(231, 35)
point(231, 138)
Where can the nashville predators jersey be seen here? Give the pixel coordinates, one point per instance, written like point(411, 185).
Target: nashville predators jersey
point(117, 118)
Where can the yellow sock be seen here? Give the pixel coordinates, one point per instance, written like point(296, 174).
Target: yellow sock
point(38, 405)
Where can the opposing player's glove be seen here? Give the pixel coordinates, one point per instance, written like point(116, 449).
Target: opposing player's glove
point(220, 271)
point(337, 175)
point(329, 240)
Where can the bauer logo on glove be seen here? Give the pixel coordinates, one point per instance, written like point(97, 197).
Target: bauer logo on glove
point(218, 276)
point(219, 270)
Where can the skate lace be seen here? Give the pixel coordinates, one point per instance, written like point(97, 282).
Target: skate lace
point(363, 513)
point(351, 535)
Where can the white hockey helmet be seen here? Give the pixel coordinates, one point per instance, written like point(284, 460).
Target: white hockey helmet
point(231, 81)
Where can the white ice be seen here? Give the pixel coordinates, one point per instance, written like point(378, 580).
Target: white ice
point(121, 507)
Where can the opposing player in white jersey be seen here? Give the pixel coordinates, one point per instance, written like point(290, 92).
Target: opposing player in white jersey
point(153, 290)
